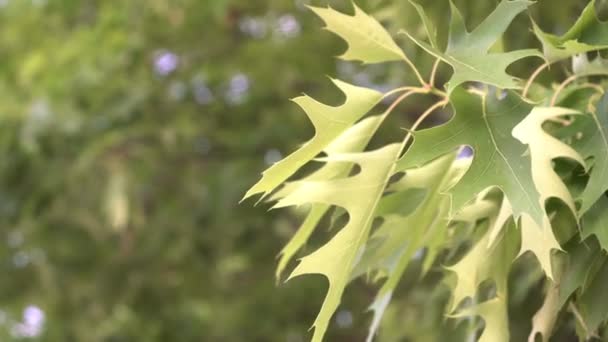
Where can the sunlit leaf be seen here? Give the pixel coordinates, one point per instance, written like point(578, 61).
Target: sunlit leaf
point(367, 40)
point(329, 123)
point(359, 196)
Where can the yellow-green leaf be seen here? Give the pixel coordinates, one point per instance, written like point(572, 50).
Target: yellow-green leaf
point(367, 40)
point(359, 196)
point(329, 123)
point(353, 140)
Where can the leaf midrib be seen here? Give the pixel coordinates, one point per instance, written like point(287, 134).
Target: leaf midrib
point(499, 151)
point(368, 37)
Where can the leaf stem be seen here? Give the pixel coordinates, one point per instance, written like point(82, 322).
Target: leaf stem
point(400, 99)
point(413, 67)
point(438, 92)
point(561, 87)
point(398, 90)
point(420, 119)
point(434, 72)
point(533, 77)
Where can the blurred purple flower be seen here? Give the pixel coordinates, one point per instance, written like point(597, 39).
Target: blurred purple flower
point(288, 26)
point(165, 62)
point(237, 89)
point(33, 316)
point(33, 322)
point(253, 27)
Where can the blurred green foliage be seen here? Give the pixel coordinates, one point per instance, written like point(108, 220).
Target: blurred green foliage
point(131, 129)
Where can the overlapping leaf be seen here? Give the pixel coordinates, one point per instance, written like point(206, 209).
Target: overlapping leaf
point(359, 196)
point(400, 236)
point(544, 148)
point(587, 34)
point(488, 261)
point(484, 123)
point(595, 222)
point(353, 140)
point(467, 52)
point(594, 144)
point(593, 302)
point(581, 66)
point(329, 123)
point(578, 270)
point(544, 319)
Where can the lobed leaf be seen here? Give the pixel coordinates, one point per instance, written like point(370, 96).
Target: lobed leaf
point(484, 123)
point(329, 123)
point(487, 262)
point(588, 33)
point(359, 196)
point(594, 144)
point(467, 52)
point(367, 40)
point(353, 140)
point(401, 237)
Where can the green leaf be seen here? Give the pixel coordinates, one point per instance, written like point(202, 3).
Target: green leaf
point(595, 222)
point(484, 123)
point(593, 303)
point(403, 236)
point(594, 144)
point(478, 265)
point(467, 52)
point(431, 30)
point(359, 196)
point(353, 140)
point(500, 161)
point(329, 123)
point(583, 67)
point(482, 263)
point(587, 34)
point(399, 234)
point(367, 40)
point(578, 269)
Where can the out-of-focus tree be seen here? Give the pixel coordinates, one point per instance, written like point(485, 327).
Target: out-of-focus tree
point(130, 131)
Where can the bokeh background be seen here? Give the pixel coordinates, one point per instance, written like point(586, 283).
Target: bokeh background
point(129, 131)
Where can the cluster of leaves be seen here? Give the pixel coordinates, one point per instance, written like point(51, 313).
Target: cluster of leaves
point(508, 194)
